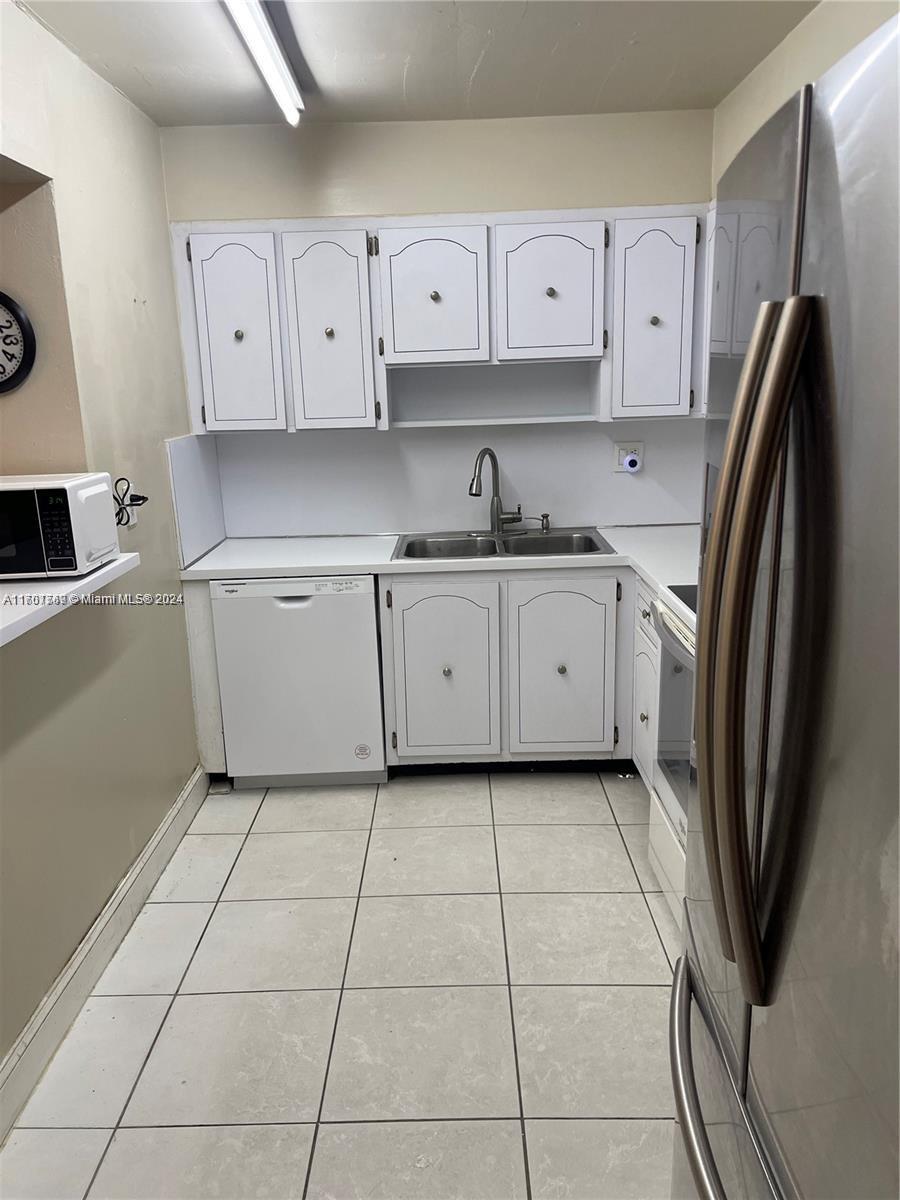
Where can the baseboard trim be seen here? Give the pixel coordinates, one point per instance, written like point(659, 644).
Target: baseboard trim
point(26, 1060)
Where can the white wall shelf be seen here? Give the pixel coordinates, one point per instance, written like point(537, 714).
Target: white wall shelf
point(26, 603)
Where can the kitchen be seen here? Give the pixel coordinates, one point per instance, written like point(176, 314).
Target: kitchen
point(427, 830)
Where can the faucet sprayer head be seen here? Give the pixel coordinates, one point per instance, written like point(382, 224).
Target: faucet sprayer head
point(475, 486)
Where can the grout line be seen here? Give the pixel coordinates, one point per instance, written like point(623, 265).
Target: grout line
point(512, 1015)
point(171, 1003)
point(372, 1121)
point(415, 896)
point(373, 987)
point(398, 828)
point(337, 1014)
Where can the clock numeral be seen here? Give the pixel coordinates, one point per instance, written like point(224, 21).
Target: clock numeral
point(7, 325)
point(10, 357)
point(10, 339)
point(2, 370)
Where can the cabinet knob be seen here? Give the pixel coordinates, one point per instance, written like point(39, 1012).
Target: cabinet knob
point(645, 613)
point(654, 320)
point(562, 669)
point(329, 332)
point(551, 292)
point(644, 718)
point(239, 335)
point(447, 672)
point(435, 296)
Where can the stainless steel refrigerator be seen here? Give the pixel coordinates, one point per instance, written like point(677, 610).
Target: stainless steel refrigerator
point(784, 1015)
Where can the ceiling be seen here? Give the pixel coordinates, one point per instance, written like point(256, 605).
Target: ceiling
point(182, 62)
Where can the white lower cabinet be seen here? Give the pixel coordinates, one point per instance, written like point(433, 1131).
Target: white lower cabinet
point(561, 640)
point(646, 704)
point(447, 667)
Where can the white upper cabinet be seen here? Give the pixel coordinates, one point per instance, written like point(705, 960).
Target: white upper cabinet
point(237, 326)
point(326, 284)
point(550, 290)
point(434, 288)
point(562, 652)
point(653, 316)
point(757, 256)
point(722, 264)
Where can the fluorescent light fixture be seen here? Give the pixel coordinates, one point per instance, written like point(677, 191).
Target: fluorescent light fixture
point(259, 38)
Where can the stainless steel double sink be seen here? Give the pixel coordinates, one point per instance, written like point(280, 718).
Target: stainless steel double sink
point(531, 542)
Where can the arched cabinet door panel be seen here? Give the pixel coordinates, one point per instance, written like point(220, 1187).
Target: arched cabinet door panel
point(550, 290)
point(757, 261)
point(238, 331)
point(434, 294)
point(654, 303)
point(326, 283)
point(722, 266)
point(562, 648)
point(447, 667)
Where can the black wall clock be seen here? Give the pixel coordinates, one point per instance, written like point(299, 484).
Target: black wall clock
point(17, 344)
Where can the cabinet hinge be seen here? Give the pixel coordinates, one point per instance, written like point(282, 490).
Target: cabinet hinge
point(615, 735)
point(698, 231)
point(377, 410)
point(691, 401)
point(381, 346)
point(394, 739)
point(187, 246)
point(618, 590)
point(203, 413)
point(606, 237)
point(605, 339)
point(388, 599)
point(372, 244)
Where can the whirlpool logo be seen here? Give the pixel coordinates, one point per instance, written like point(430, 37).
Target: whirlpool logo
point(362, 750)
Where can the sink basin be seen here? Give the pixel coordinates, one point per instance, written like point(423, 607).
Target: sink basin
point(559, 542)
point(462, 545)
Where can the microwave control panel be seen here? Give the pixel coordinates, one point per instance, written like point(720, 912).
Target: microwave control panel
point(56, 529)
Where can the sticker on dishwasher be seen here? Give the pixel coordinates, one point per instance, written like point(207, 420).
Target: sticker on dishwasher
point(362, 750)
point(337, 585)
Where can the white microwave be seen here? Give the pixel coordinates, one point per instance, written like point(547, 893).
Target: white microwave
point(54, 525)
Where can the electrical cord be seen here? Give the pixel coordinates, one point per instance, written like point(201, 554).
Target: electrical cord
point(126, 500)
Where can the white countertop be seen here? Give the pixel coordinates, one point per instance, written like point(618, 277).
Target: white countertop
point(661, 554)
point(25, 603)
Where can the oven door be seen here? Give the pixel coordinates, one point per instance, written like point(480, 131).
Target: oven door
point(21, 547)
point(672, 773)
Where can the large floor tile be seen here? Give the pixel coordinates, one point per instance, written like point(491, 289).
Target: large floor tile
point(273, 945)
point(563, 858)
point(602, 1160)
point(669, 929)
point(601, 938)
point(281, 866)
point(548, 798)
point(424, 1053)
point(198, 868)
point(50, 1164)
point(637, 838)
point(629, 798)
point(405, 941)
point(236, 1059)
point(594, 1051)
point(224, 1163)
point(297, 810)
point(154, 953)
point(434, 800)
point(92, 1072)
point(458, 1160)
point(231, 813)
point(411, 861)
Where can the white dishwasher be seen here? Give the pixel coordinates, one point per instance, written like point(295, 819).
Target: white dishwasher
point(299, 679)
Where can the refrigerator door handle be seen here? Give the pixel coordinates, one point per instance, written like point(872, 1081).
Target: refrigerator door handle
point(687, 1100)
point(711, 598)
point(732, 652)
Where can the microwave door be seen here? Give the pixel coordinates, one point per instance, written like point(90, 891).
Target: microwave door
point(21, 547)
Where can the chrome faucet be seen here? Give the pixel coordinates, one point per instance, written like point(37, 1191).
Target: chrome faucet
point(499, 518)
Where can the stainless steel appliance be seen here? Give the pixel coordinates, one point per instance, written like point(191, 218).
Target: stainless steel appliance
point(54, 525)
point(672, 771)
point(784, 1014)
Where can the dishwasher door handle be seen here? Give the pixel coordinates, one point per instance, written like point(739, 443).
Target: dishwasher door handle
point(293, 601)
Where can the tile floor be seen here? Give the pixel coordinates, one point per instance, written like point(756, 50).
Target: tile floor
point(444, 988)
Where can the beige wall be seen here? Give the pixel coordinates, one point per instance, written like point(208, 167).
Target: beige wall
point(96, 726)
point(222, 172)
point(40, 422)
point(827, 34)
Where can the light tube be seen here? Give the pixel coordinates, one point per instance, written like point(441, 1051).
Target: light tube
point(253, 26)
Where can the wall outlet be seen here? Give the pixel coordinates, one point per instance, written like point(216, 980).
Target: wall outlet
point(623, 450)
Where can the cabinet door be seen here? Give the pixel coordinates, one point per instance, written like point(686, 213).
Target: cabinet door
point(237, 327)
point(434, 294)
point(326, 284)
point(722, 265)
point(562, 650)
point(646, 703)
point(757, 261)
point(654, 302)
point(447, 668)
point(550, 290)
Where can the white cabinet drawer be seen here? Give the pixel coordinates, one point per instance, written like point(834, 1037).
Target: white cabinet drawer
point(550, 290)
point(434, 294)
